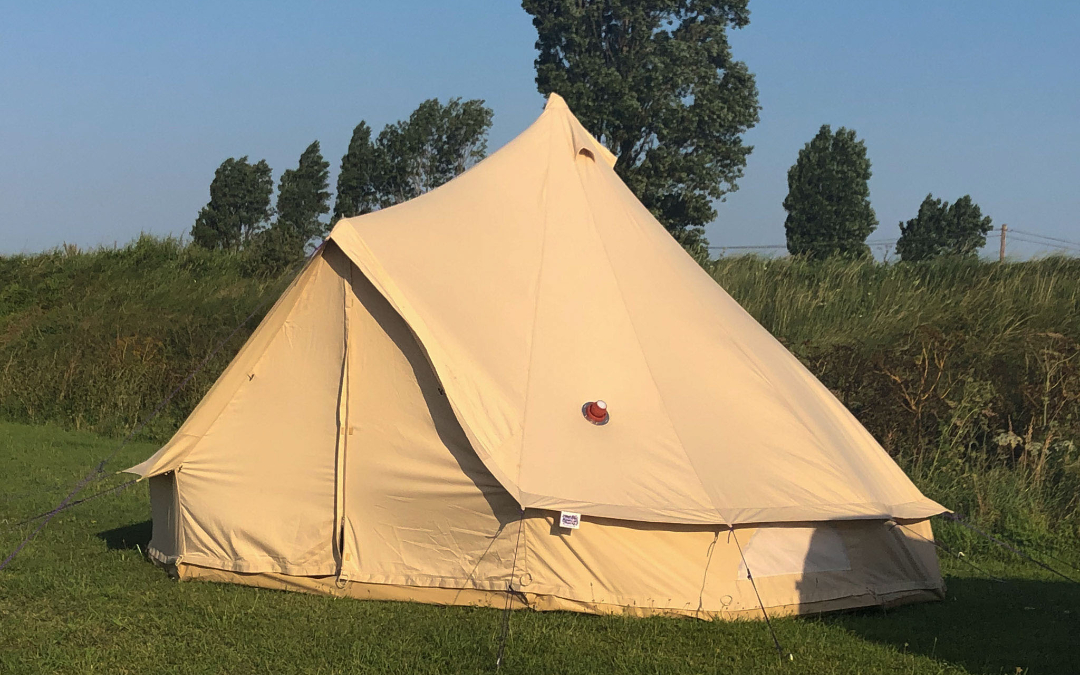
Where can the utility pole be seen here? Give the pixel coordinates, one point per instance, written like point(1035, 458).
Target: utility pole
point(1001, 255)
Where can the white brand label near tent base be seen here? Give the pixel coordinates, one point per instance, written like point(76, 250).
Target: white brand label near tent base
point(570, 521)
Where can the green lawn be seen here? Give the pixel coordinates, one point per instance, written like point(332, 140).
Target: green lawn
point(82, 599)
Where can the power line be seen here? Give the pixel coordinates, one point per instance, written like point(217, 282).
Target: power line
point(1049, 244)
point(1020, 236)
point(883, 242)
point(1043, 236)
point(726, 248)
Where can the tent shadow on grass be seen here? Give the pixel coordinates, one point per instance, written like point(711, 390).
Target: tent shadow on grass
point(984, 626)
point(128, 537)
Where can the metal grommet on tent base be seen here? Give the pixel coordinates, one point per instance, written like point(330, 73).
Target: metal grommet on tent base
point(596, 412)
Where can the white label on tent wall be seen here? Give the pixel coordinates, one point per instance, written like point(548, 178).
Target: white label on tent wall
point(570, 521)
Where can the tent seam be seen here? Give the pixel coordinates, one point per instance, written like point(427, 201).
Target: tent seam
point(751, 358)
point(536, 313)
point(337, 542)
point(641, 349)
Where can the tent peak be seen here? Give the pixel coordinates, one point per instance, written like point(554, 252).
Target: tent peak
point(584, 142)
point(555, 101)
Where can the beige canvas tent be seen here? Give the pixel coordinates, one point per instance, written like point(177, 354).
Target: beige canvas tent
point(411, 421)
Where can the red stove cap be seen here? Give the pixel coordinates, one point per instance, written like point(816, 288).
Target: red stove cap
point(596, 411)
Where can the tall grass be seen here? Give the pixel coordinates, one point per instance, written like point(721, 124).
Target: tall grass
point(967, 372)
point(869, 303)
point(94, 340)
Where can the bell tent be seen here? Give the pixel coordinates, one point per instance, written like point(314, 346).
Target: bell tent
point(416, 419)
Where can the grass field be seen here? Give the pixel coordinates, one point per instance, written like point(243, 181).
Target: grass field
point(82, 599)
point(967, 372)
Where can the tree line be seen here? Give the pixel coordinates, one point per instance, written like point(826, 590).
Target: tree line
point(657, 83)
point(829, 212)
point(406, 159)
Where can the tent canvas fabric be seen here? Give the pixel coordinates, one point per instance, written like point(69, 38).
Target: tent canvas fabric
point(406, 422)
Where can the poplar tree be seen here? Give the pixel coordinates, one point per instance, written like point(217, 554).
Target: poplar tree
point(828, 200)
point(239, 205)
point(356, 183)
point(412, 156)
point(656, 82)
point(303, 196)
point(434, 145)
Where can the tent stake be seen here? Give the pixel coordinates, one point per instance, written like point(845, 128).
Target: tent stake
point(505, 630)
point(772, 631)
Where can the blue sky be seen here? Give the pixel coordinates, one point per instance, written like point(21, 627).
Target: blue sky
point(114, 115)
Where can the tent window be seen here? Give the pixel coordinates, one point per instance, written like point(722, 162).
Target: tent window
point(776, 551)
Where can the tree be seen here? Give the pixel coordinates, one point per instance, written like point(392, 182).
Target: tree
point(434, 145)
point(356, 181)
point(828, 200)
point(303, 196)
point(656, 82)
point(272, 251)
point(239, 204)
point(412, 156)
point(940, 229)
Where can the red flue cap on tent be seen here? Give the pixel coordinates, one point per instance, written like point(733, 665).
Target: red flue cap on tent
point(596, 411)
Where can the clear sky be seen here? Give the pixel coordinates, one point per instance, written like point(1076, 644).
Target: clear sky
point(114, 115)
